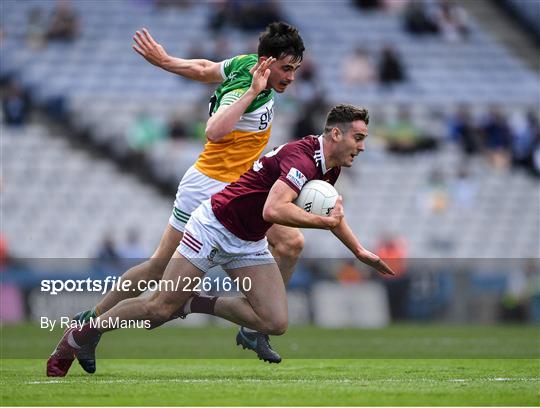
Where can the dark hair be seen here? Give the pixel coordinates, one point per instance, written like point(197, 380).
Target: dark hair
point(281, 39)
point(343, 115)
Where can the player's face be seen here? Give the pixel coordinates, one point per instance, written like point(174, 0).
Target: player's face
point(282, 73)
point(352, 142)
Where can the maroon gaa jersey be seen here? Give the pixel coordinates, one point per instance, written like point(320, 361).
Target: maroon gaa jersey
point(239, 207)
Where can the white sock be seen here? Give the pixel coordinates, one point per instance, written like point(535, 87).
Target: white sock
point(187, 306)
point(71, 341)
point(247, 330)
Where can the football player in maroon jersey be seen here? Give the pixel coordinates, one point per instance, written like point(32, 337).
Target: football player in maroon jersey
point(229, 230)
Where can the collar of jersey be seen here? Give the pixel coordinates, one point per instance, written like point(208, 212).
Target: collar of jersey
point(264, 92)
point(323, 160)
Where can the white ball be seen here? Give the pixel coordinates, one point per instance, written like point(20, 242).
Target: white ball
point(317, 197)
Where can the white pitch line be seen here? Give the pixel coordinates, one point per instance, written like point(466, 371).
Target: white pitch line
point(285, 381)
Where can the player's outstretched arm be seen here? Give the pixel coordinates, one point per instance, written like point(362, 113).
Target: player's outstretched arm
point(197, 69)
point(280, 209)
point(345, 234)
point(226, 117)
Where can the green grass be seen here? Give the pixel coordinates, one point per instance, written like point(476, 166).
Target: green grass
point(409, 365)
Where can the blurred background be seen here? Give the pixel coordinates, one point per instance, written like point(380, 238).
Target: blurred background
point(94, 141)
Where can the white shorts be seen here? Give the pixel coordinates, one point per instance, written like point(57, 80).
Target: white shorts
point(207, 243)
point(193, 189)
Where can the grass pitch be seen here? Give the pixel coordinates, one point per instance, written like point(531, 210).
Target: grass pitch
point(408, 365)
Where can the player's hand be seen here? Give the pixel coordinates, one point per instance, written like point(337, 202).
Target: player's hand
point(337, 213)
point(376, 262)
point(261, 72)
point(146, 46)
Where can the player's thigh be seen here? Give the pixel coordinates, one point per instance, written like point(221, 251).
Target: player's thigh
point(264, 289)
point(280, 236)
point(167, 245)
point(175, 286)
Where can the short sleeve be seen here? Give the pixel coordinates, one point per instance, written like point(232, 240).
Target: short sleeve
point(296, 169)
point(229, 65)
point(225, 68)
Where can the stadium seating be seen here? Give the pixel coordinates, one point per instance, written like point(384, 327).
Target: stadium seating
point(106, 84)
point(58, 202)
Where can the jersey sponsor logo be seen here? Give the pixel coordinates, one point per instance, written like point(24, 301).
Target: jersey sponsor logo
point(266, 118)
point(258, 120)
point(296, 177)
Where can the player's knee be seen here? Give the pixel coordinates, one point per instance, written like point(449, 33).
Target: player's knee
point(276, 326)
point(155, 268)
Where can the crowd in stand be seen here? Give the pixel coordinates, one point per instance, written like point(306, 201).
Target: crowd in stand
point(445, 18)
point(505, 139)
point(63, 25)
point(360, 68)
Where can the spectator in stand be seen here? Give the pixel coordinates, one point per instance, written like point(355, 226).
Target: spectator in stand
point(177, 127)
point(348, 273)
point(107, 259)
point(525, 133)
point(64, 24)
point(434, 197)
point(394, 6)
point(222, 15)
point(107, 252)
point(306, 87)
point(497, 140)
point(256, 15)
point(308, 73)
point(521, 286)
point(145, 132)
point(393, 250)
point(463, 131)
point(463, 189)
point(418, 19)
point(245, 15)
point(391, 69)
point(178, 4)
point(15, 104)
point(358, 68)
point(132, 249)
point(3, 252)
point(536, 160)
point(368, 5)
point(36, 30)
point(312, 112)
point(404, 136)
point(452, 21)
